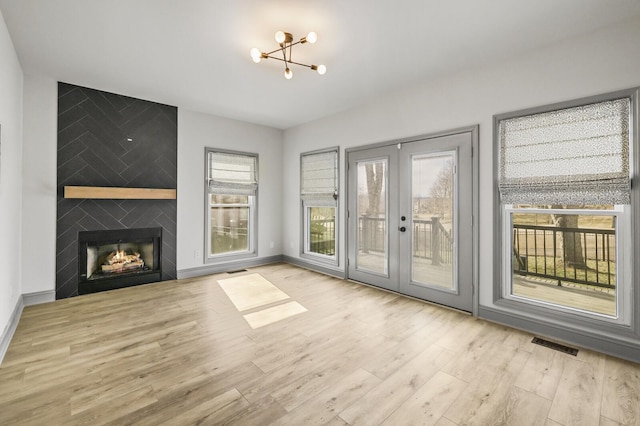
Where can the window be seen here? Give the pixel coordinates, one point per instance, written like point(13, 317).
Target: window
point(319, 195)
point(565, 208)
point(232, 184)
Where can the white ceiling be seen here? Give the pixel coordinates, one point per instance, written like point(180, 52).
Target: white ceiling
point(195, 53)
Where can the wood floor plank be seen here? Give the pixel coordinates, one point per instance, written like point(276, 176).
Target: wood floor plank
point(176, 383)
point(39, 416)
point(476, 350)
point(326, 405)
point(525, 408)
point(621, 392)
point(336, 421)
point(179, 352)
point(542, 372)
point(26, 357)
point(114, 408)
point(296, 382)
point(443, 421)
point(385, 363)
point(12, 380)
point(34, 406)
point(275, 353)
point(579, 395)
point(214, 410)
point(488, 392)
point(327, 368)
point(461, 335)
point(381, 401)
point(194, 402)
point(605, 421)
point(265, 411)
point(85, 400)
point(429, 403)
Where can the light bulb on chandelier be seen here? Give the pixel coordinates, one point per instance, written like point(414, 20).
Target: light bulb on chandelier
point(280, 37)
point(311, 37)
point(285, 40)
point(320, 68)
point(256, 55)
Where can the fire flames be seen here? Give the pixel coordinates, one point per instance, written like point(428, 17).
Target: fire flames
point(121, 260)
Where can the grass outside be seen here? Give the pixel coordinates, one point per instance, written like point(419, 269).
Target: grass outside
point(321, 246)
point(596, 272)
point(584, 220)
point(225, 243)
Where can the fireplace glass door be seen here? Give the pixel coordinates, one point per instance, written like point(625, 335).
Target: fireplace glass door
point(111, 259)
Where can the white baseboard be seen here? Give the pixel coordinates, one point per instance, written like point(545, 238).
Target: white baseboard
point(334, 272)
point(7, 333)
point(39, 297)
point(215, 268)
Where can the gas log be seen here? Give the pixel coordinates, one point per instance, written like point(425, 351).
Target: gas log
point(120, 260)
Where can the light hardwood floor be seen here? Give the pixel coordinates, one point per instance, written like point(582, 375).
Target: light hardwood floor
point(181, 353)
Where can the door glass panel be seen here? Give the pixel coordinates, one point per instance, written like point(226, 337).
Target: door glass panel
point(372, 253)
point(432, 230)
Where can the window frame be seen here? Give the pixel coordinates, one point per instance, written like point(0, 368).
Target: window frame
point(562, 320)
point(623, 265)
point(305, 206)
point(252, 204)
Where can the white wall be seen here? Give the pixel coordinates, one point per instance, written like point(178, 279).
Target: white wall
point(39, 185)
point(10, 177)
point(197, 131)
point(604, 61)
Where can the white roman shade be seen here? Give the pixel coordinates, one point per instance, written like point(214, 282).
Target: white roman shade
point(572, 156)
point(234, 174)
point(319, 178)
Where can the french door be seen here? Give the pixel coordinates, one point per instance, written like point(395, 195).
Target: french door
point(410, 218)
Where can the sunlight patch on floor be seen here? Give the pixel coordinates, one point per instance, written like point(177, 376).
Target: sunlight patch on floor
point(251, 291)
point(274, 314)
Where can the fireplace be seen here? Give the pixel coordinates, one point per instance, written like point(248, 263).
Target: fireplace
point(114, 259)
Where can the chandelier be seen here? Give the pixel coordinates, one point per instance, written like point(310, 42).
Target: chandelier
point(285, 40)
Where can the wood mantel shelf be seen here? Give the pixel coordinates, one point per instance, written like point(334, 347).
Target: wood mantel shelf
point(118, 193)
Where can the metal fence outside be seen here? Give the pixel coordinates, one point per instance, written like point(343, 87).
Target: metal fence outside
point(322, 238)
point(542, 251)
point(430, 239)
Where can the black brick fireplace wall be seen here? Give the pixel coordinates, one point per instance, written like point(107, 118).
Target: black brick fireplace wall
point(93, 150)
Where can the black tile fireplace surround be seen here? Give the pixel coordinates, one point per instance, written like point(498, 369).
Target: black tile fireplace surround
point(111, 140)
point(140, 247)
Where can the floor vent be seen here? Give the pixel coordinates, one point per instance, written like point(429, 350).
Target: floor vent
point(556, 346)
point(236, 271)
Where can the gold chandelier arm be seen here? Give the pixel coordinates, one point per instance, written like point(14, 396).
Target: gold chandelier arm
point(282, 47)
point(289, 61)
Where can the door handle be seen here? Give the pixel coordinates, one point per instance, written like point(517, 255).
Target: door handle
point(402, 228)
